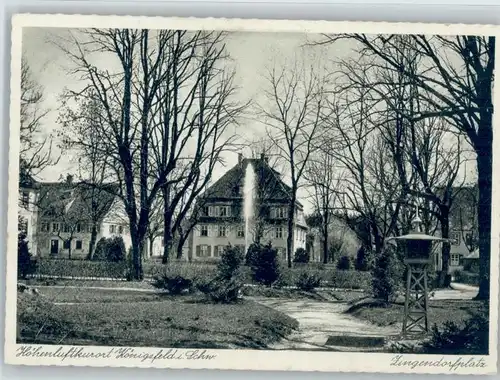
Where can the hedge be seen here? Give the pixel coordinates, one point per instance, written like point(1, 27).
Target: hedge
point(195, 271)
point(468, 278)
point(60, 268)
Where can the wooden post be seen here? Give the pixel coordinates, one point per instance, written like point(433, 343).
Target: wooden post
point(416, 301)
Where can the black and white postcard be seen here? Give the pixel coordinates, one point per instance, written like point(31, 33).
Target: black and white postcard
point(252, 194)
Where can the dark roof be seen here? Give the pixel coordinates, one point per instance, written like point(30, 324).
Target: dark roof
point(230, 185)
point(26, 180)
point(76, 201)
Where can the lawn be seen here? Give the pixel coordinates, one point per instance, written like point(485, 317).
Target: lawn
point(119, 318)
point(439, 311)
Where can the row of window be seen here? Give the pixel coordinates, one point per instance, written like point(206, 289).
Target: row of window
point(78, 228)
point(54, 244)
point(25, 199)
point(65, 227)
point(225, 211)
point(222, 230)
point(205, 250)
point(114, 228)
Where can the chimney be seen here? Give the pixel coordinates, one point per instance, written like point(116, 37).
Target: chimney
point(240, 158)
point(264, 158)
point(69, 179)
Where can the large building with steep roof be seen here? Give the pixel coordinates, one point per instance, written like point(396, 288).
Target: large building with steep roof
point(220, 220)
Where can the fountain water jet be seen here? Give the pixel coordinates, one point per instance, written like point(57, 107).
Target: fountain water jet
point(248, 198)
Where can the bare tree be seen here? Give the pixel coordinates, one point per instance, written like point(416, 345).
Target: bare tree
point(324, 177)
point(293, 117)
point(458, 75)
point(35, 147)
point(195, 109)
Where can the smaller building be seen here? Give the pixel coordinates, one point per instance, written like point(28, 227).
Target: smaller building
point(70, 215)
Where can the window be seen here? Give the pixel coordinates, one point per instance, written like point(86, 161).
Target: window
point(223, 211)
point(203, 251)
point(78, 228)
point(455, 259)
point(240, 232)
point(206, 210)
point(25, 200)
point(112, 228)
point(44, 227)
point(65, 227)
point(78, 244)
point(67, 244)
point(219, 250)
point(455, 238)
point(280, 212)
point(222, 231)
point(204, 230)
point(278, 233)
point(211, 211)
point(120, 230)
point(55, 227)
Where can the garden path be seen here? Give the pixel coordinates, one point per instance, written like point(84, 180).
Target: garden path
point(319, 320)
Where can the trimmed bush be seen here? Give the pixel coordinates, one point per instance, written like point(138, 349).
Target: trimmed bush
point(112, 250)
point(344, 263)
point(25, 263)
point(265, 265)
point(308, 282)
point(387, 275)
point(64, 268)
point(100, 251)
point(452, 339)
point(301, 256)
point(174, 285)
point(116, 250)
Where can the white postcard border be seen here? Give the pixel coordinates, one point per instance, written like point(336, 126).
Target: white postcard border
point(236, 359)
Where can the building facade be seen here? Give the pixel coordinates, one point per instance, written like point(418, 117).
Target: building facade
point(221, 220)
point(61, 218)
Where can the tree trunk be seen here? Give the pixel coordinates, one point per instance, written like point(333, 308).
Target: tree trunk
point(137, 248)
point(93, 238)
point(484, 169)
point(443, 280)
point(167, 224)
point(325, 244)
point(151, 246)
point(289, 237)
point(180, 245)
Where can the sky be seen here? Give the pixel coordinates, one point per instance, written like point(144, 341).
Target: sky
point(252, 53)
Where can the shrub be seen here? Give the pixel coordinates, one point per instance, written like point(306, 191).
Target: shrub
point(174, 285)
point(308, 281)
point(116, 250)
point(362, 260)
point(230, 262)
point(464, 277)
point(350, 279)
point(252, 254)
point(100, 250)
point(387, 275)
point(344, 263)
point(301, 256)
point(60, 268)
point(226, 286)
point(265, 265)
point(453, 339)
point(112, 250)
point(25, 263)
